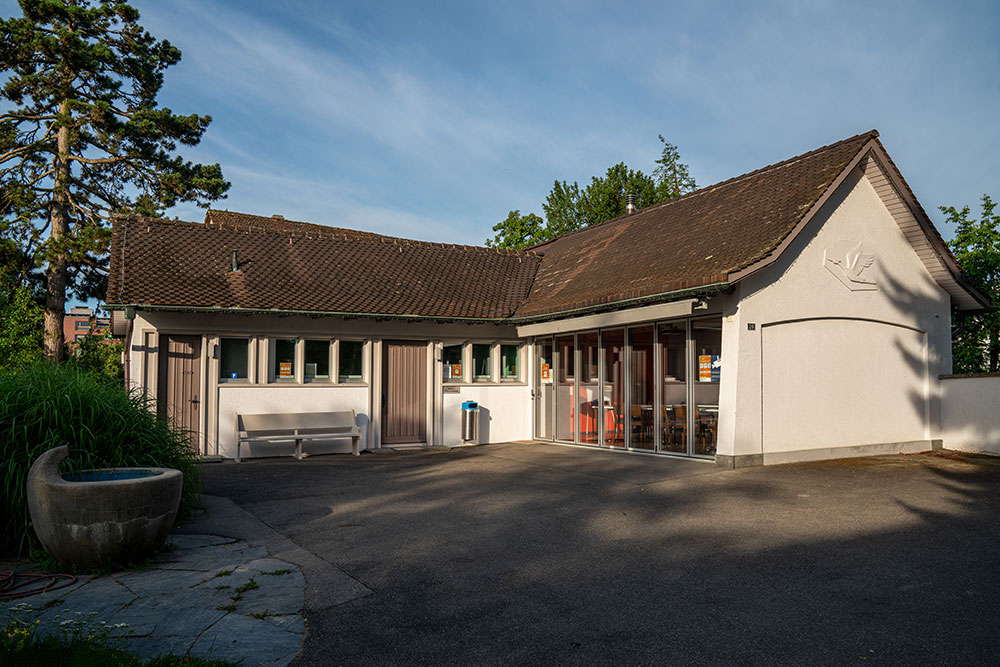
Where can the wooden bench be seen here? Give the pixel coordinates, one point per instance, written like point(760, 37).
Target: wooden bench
point(298, 426)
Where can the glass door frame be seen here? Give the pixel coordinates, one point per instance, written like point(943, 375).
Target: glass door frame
point(538, 345)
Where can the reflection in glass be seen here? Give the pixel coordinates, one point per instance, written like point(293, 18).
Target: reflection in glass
point(707, 340)
point(317, 360)
point(589, 409)
point(351, 364)
point(284, 360)
point(642, 388)
point(564, 388)
point(451, 360)
point(481, 361)
point(673, 397)
point(613, 402)
point(543, 384)
point(234, 358)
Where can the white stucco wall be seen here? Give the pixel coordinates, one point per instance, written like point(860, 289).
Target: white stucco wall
point(970, 413)
point(843, 368)
point(504, 413)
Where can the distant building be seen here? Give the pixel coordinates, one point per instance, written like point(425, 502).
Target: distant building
point(80, 321)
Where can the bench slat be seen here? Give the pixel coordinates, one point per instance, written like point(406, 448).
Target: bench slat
point(287, 427)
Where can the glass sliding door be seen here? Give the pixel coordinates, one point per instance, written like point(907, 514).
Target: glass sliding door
point(544, 397)
point(613, 399)
point(642, 388)
point(706, 338)
point(589, 409)
point(673, 390)
point(565, 381)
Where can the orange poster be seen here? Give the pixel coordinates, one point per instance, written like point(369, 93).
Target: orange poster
point(285, 369)
point(545, 371)
point(456, 370)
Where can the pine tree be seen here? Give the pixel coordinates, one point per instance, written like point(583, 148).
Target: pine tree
point(86, 140)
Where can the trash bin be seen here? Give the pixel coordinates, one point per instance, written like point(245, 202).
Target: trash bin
point(470, 422)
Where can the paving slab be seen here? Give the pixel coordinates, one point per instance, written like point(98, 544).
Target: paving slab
point(178, 605)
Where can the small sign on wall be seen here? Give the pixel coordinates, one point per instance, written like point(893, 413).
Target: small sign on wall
point(285, 369)
point(456, 370)
point(545, 372)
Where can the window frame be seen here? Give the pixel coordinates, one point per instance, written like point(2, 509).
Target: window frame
point(250, 341)
point(331, 357)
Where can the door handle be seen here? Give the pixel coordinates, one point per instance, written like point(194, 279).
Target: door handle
point(195, 400)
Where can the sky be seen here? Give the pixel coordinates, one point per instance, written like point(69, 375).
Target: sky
point(432, 120)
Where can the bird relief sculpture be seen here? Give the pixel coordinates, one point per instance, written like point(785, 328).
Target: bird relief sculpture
point(848, 261)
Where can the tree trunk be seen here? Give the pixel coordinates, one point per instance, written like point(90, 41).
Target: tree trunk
point(55, 298)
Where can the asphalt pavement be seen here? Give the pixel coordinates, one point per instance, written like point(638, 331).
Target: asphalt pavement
point(521, 554)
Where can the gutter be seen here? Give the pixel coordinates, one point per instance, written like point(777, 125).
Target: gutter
point(705, 290)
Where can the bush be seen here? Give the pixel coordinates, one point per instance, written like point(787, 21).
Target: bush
point(20, 328)
point(101, 355)
point(105, 426)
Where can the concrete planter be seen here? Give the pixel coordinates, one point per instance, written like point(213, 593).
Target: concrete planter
point(101, 517)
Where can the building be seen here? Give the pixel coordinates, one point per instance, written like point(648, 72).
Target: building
point(800, 311)
point(80, 321)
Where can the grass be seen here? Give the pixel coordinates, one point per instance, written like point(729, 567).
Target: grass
point(77, 642)
point(44, 406)
point(237, 595)
point(274, 573)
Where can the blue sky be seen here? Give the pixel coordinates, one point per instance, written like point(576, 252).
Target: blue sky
point(432, 120)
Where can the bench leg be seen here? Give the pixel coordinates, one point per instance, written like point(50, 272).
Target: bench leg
point(238, 451)
point(356, 445)
point(298, 448)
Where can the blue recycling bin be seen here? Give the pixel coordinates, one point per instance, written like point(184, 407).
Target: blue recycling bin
point(470, 422)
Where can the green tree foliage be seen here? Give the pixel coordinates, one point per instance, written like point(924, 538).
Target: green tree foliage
point(86, 141)
point(100, 355)
point(20, 328)
point(517, 231)
point(569, 207)
point(976, 336)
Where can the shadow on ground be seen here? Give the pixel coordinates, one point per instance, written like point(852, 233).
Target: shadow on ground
point(528, 554)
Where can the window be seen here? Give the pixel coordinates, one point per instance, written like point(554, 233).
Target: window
point(234, 358)
point(350, 363)
point(451, 359)
point(481, 361)
point(283, 364)
point(509, 366)
point(317, 360)
point(82, 325)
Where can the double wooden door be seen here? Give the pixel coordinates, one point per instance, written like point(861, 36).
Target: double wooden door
point(404, 392)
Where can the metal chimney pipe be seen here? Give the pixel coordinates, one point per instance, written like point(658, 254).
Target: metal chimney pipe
point(629, 204)
point(236, 263)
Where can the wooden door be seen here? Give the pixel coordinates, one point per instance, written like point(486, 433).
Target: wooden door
point(180, 381)
point(404, 392)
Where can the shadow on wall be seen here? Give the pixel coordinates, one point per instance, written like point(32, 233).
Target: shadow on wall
point(484, 424)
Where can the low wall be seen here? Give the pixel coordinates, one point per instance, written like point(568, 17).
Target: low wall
point(970, 412)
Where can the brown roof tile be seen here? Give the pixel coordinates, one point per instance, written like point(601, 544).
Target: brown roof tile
point(693, 241)
point(292, 268)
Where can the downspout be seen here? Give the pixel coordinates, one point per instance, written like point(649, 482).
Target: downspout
point(127, 351)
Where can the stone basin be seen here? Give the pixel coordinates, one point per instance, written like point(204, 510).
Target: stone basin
point(98, 518)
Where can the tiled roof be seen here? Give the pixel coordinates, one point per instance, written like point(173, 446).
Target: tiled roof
point(289, 266)
point(696, 242)
point(693, 241)
point(259, 223)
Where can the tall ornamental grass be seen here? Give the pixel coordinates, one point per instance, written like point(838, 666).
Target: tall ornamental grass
point(44, 406)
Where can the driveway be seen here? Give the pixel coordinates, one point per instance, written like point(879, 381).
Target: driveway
point(542, 554)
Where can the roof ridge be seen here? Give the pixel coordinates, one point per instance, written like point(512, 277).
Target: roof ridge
point(324, 231)
point(871, 134)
